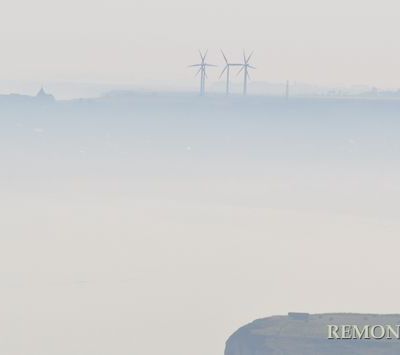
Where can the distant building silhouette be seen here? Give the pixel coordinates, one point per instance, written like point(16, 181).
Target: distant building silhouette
point(43, 96)
point(298, 316)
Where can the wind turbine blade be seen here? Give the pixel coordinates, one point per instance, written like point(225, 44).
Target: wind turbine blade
point(248, 59)
point(241, 69)
point(250, 66)
point(223, 54)
point(244, 57)
point(205, 55)
point(222, 73)
point(201, 56)
point(195, 65)
point(210, 65)
point(198, 71)
point(248, 75)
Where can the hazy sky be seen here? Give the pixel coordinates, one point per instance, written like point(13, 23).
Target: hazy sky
point(152, 42)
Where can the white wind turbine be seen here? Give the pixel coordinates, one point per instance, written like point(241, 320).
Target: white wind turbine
point(245, 68)
point(227, 69)
point(202, 71)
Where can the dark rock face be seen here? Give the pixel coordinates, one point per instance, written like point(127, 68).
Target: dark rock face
point(303, 334)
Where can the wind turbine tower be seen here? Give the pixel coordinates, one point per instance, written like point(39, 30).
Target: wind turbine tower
point(287, 89)
point(202, 71)
point(245, 68)
point(227, 69)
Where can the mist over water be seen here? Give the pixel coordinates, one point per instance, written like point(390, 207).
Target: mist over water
point(153, 224)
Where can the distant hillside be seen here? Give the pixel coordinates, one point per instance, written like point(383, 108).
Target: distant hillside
point(308, 335)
